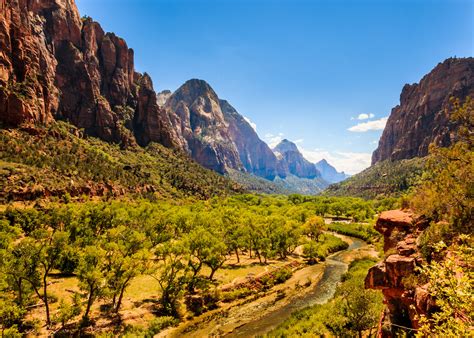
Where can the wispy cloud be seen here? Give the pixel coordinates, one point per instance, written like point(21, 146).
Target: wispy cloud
point(298, 141)
point(252, 124)
point(273, 140)
point(365, 116)
point(370, 125)
point(349, 162)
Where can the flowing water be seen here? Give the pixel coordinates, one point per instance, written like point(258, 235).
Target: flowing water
point(321, 293)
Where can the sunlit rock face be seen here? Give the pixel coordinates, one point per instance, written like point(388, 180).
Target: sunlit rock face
point(256, 157)
point(403, 304)
point(423, 114)
point(56, 65)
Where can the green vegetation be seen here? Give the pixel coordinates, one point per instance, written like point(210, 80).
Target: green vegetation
point(103, 247)
point(290, 185)
point(352, 311)
point(382, 180)
point(58, 161)
point(362, 231)
point(445, 198)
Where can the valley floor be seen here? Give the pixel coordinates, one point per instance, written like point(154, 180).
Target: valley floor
point(252, 313)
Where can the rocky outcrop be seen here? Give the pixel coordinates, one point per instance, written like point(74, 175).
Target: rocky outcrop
point(55, 65)
point(423, 114)
point(291, 161)
point(255, 155)
point(201, 124)
point(329, 173)
point(404, 301)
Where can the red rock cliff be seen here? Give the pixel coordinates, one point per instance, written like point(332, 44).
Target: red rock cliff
point(55, 65)
point(422, 116)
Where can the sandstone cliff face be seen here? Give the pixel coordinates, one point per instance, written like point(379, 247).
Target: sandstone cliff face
point(422, 116)
point(255, 155)
point(53, 64)
point(292, 161)
point(200, 121)
point(403, 302)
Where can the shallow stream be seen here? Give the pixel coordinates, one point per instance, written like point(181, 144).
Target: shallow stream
point(321, 293)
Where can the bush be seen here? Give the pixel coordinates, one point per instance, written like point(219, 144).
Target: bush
point(159, 324)
point(230, 296)
point(282, 275)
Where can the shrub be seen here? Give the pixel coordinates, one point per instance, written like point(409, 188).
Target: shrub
point(159, 324)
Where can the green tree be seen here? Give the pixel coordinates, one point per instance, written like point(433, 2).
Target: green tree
point(126, 251)
point(171, 273)
point(92, 275)
point(314, 227)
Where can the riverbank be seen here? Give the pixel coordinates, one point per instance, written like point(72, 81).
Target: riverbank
point(262, 312)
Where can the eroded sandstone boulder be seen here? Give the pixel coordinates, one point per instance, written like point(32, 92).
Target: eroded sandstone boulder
point(394, 276)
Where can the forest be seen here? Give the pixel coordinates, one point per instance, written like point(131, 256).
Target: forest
point(66, 266)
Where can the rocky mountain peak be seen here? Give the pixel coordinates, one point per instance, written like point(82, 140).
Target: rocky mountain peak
point(285, 146)
point(291, 161)
point(329, 173)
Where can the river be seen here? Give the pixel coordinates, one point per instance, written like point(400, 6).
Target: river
point(324, 290)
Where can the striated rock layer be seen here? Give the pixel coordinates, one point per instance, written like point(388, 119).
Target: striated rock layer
point(404, 302)
point(423, 114)
point(55, 65)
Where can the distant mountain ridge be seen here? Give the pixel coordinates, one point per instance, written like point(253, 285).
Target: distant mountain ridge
point(329, 173)
point(293, 162)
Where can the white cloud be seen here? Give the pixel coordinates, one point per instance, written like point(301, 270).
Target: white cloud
point(298, 141)
point(370, 125)
point(273, 140)
point(252, 124)
point(349, 162)
point(365, 116)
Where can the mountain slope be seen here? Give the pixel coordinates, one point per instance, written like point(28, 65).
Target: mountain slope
point(50, 162)
point(383, 179)
point(293, 162)
point(423, 114)
point(199, 120)
point(255, 155)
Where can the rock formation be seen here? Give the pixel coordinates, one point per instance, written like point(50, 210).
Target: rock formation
point(55, 65)
point(200, 122)
point(423, 114)
point(404, 302)
point(329, 173)
point(292, 161)
point(255, 155)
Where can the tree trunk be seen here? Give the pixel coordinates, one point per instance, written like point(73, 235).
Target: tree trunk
point(46, 302)
point(213, 271)
point(237, 254)
point(89, 303)
point(20, 292)
point(119, 301)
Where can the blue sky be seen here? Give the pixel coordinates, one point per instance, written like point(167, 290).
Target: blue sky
point(299, 69)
